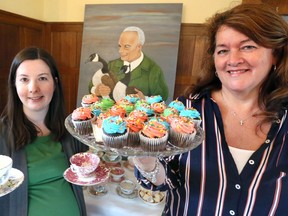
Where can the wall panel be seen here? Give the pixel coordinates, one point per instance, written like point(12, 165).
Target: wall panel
point(64, 41)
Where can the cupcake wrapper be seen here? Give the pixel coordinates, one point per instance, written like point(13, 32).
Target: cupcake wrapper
point(197, 122)
point(97, 132)
point(133, 139)
point(153, 144)
point(83, 127)
point(180, 139)
point(118, 141)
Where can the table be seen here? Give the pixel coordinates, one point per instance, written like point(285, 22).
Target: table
point(112, 204)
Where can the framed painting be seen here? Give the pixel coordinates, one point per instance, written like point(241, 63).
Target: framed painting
point(101, 46)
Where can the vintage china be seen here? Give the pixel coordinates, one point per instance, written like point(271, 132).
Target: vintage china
point(15, 179)
point(117, 173)
point(84, 163)
point(106, 159)
point(100, 175)
point(98, 191)
point(133, 195)
point(5, 166)
point(127, 186)
point(135, 151)
point(151, 197)
point(112, 156)
point(118, 180)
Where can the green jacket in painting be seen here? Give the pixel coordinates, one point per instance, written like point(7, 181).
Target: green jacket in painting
point(148, 77)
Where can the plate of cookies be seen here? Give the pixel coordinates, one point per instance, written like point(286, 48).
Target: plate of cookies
point(151, 197)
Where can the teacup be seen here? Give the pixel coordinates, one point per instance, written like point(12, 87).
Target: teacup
point(84, 163)
point(112, 155)
point(5, 166)
point(117, 173)
point(127, 186)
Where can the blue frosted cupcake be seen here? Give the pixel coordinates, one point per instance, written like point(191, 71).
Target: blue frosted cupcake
point(193, 114)
point(178, 105)
point(154, 99)
point(146, 108)
point(115, 132)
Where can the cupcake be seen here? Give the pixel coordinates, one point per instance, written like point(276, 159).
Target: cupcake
point(126, 104)
point(115, 132)
point(193, 114)
point(153, 137)
point(154, 99)
point(134, 125)
point(117, 110)
point(81, 119)
point(182, 131)
point(169, 114)
point(96, 108)
point(162, 121)
point(132, 98)
point(88, 100)
point(106, 103)
point(178, 105)
point(139, 114)
point(146, 108)
point(97, 125)
point(158, 107)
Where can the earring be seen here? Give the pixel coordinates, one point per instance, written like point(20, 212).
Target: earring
point(274, 68)
point(216, 73)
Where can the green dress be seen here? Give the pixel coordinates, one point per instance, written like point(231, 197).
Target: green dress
point(49, 193)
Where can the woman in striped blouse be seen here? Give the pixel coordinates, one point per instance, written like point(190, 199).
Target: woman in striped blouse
point(241, 166)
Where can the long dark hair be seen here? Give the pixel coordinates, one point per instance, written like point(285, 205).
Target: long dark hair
point(266, 28)
point(21, 131)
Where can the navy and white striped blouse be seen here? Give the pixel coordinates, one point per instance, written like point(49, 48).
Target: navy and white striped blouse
point(205, 181)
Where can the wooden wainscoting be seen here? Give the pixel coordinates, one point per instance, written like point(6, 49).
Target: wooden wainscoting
point(64, 41)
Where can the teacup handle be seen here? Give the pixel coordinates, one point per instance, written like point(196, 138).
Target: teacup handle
point(73, 169)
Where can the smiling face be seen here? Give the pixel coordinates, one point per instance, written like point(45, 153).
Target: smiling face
point(35, 86)
point(129, 46)
point(241, 64)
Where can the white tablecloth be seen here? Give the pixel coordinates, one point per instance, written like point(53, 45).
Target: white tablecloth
point(111, 204)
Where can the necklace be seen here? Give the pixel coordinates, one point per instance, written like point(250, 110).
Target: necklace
point(241, 121)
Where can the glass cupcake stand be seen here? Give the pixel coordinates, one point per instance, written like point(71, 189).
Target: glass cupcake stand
point(133, 151)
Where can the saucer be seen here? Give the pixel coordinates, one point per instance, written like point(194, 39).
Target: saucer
point(128, 196)
point(16, 177)
point(100, 175)
point(107, 160)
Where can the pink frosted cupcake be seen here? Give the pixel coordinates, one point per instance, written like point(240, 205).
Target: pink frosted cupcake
point(158, 107)
point(182, 131)
point(81, 119)
point(153, 137)
point(88, 100)
point(97, 125)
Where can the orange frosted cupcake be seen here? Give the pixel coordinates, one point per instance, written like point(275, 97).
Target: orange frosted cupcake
point(182, 131)
point(117, 110)
point(135, 125)
point(154, 136)
point(126, 104)
point(139, 114)
point(81, 119)
point(88, 100)
point(158, 107)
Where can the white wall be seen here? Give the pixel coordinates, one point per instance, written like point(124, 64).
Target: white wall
point(194, 11)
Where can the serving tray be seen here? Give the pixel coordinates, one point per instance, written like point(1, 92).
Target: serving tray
point(170, 150)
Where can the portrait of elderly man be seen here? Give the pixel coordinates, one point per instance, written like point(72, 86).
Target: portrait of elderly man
point(133, 72)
